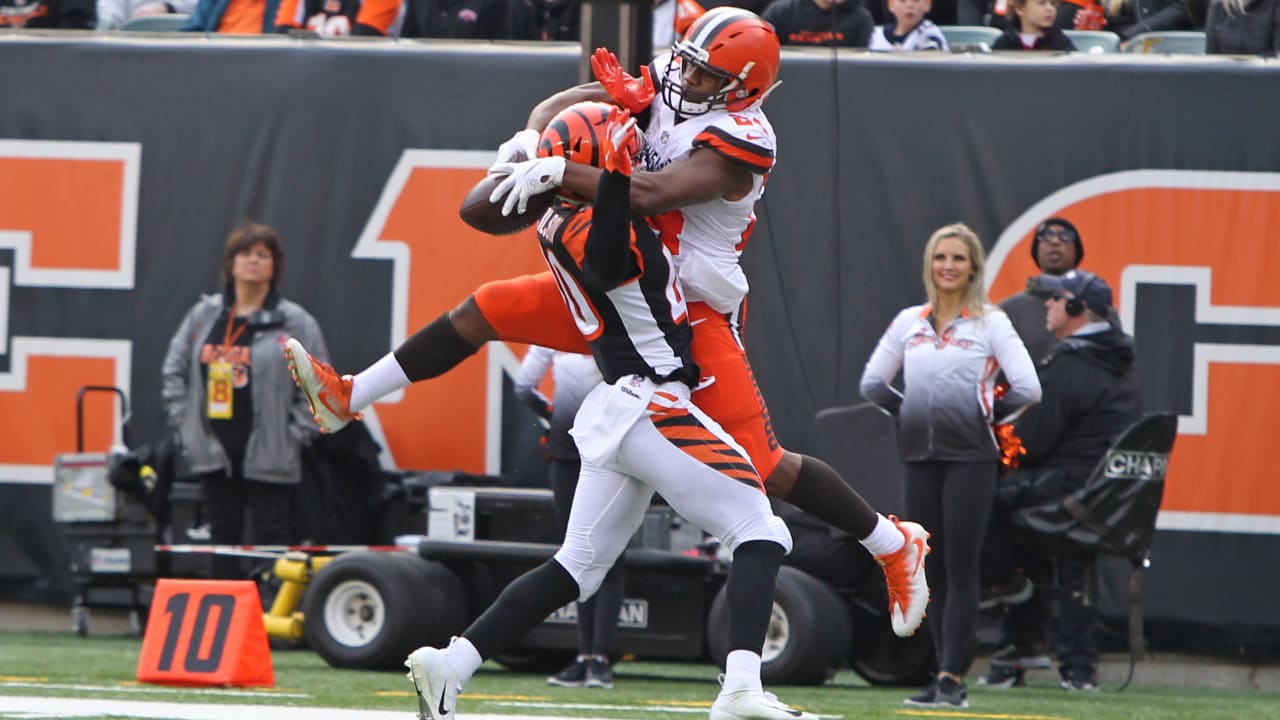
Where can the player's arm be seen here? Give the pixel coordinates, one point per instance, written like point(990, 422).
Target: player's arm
point(613, 86)
point(535, 365)
point(702, 176)
point(608, 257)
point(550, 107)
point(523, 145)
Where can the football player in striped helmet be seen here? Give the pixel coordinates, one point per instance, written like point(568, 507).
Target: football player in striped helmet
point(637, 433)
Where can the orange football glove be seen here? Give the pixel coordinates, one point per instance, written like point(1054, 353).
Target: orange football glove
point(620, 141)
point(632, 93)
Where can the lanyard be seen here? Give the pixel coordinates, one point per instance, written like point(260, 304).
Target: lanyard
point(229, 338)
point(221, 381)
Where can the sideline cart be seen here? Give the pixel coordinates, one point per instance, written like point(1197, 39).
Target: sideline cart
point(98, 505)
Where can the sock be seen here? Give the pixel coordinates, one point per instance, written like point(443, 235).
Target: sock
point(463, 657)
point(742, 671)
point(885, 538)
point(755, 566)
point(434, 350)
point(820, 490)
point(378, 380)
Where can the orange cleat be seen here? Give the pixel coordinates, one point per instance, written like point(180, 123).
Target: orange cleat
point(328, 393)
point(904, 576)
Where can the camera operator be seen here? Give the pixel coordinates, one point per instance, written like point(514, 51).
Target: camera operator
point(1090, 396)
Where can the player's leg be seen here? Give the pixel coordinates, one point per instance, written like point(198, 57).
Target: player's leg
point(735, 401)
point(598, 615)
point(527, 309)
point(607, 508)
point(899, 546)
point(705, 477)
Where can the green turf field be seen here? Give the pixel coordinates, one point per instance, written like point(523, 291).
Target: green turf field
point(66, 666)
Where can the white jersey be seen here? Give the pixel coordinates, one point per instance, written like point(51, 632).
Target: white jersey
point(949, 403)
point(924, 36)
point(707, 239)
point(574, 375)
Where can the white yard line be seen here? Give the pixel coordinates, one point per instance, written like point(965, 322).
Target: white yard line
point(153, 690)
point(41, 708)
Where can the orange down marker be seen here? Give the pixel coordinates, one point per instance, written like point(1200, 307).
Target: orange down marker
point(206, 632)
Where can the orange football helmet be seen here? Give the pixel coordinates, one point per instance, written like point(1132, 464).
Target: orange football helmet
point(733, 45)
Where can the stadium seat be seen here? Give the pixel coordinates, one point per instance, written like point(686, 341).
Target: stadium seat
point(959, 36)
point(1094, 41)
point(1168, 42)
point(171, 22)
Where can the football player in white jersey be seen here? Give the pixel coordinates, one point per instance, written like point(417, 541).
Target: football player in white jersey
point(709, 148)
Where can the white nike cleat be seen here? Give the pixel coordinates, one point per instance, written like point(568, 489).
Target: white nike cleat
point(905, 579)
point(754, 705)
point(436, 683)
point(328, 393)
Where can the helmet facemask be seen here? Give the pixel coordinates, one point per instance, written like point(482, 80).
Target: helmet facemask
point(729, 44)
point(685, 100)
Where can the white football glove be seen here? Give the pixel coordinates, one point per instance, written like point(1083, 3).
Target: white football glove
point(524, 180)
point(522, 146)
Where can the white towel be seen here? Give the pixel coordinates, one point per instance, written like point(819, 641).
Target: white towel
point(607, 415)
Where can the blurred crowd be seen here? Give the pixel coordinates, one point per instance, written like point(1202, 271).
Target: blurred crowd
point(1228, 26)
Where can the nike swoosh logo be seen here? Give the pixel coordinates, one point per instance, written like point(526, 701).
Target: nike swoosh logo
point(323, 397)
point(443, 710)
point(919, 554)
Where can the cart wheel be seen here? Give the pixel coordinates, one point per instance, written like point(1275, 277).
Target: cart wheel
point(367, 610)
point(441, 599)
point(808, 636)
point(80, 620)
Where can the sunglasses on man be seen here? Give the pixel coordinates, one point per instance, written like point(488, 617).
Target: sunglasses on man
point(1058, 234)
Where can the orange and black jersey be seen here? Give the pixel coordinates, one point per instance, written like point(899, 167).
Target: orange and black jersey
point(620, 286)
point(337, 18)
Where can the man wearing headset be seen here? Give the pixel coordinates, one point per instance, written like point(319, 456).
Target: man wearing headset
point(1091, 395)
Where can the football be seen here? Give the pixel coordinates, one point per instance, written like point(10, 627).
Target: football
point(487, 217)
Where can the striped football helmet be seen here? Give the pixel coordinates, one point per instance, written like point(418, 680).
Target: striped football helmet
point(732, 45)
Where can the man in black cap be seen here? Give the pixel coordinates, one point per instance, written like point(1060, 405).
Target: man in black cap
point(1091, 395)
point(1057, 248)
